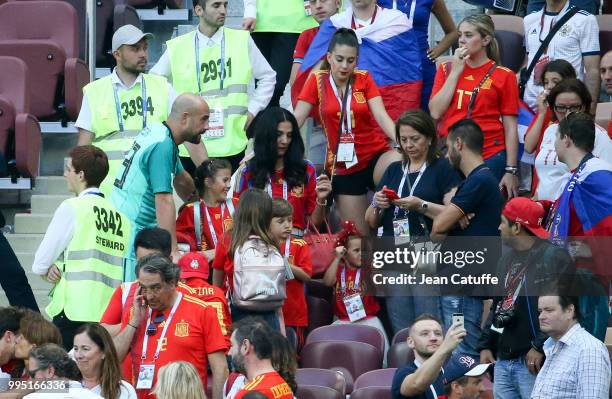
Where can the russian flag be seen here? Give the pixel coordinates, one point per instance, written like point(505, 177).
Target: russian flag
point(388, 50)
point(589, 194)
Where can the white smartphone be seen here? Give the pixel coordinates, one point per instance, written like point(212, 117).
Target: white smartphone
point(458, 318)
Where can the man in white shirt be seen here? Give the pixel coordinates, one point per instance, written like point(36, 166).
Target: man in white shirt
point(225, 63)
point(118, 106)
point(577, 42)
point(57, 374)
point(577, 364)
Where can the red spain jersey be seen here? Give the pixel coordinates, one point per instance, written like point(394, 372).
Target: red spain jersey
point(270, 384)
point(497, 97)
point(223, 261)
point(369, 138)
point(212, 296)
point(303, 198)
point(193, 333)
point(221, 222)
point(370, 303)
point(295, 310)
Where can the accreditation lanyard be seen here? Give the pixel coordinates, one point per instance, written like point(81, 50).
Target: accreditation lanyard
point(412, 7)
point(269, 189)
point(552, 22)
point(410, 187)
point(143, 89)
point(160, 341)
point(197, 63)
point(343, 280)
point(354, 23)
point(346, 123)
point(287, 244)
point(211, 228)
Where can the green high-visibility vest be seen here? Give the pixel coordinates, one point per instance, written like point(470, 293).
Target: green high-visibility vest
point(104, 119)
point(232, 96)
point(93, 261)
point(288, 16)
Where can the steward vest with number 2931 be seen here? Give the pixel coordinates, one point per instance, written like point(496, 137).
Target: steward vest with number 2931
point(118, 117)
point(93, 261)
point(221, 75)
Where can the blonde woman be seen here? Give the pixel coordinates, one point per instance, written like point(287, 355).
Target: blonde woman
point(474, 86)
point(178, 380)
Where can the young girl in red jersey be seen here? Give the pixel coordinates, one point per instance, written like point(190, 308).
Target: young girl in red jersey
point(348, 277)
point(297, 254)
point(215, 211)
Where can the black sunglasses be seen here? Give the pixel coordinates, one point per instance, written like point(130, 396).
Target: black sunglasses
point(152, 328)
point(32, 373)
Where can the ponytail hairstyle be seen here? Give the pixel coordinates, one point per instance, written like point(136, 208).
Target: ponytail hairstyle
point(208, 169)
point(485, 27)
point(342, 37)
point(253, 217)
point(349, 231)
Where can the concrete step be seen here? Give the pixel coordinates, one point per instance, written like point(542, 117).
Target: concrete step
point(47, 203)
point(42, 299)
point(51, 185)
point(26, 259)
point(27, 223)
point(24, 242)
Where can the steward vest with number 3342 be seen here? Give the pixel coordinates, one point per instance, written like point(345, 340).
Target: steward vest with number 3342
point(118, 117)
point(93, 261)
point(224, 73)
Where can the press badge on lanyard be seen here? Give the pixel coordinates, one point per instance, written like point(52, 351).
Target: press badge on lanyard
point(353, 303)
point(216, 119)
point(346, 146)
point(401, 226)
point(147, 370)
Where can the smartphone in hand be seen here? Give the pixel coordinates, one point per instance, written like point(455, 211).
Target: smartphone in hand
point(458, 319)
point(391, 194)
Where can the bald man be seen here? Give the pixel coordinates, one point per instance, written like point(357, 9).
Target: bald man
point(143, 186)
point(605, 71)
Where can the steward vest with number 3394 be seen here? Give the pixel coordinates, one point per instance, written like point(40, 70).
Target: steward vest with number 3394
point(93, 261)
point(118, 117)
point(221, 86)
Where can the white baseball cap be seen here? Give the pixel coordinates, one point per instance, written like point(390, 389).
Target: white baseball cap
point(128, 34)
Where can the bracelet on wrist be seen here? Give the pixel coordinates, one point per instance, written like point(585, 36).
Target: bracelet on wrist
point(513, 170)
point(322, 204)
point(133, 326)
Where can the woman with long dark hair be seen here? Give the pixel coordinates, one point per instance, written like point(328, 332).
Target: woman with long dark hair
point(357, 152)
point(97, 360)
point(278, 167)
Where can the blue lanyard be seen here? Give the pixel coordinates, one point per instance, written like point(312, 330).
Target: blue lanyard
point(197, 63)
point(143, 88)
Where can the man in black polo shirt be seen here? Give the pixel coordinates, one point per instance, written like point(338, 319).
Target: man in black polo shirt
point(474, 211)
point(424, 378)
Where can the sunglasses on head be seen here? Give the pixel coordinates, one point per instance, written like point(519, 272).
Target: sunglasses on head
point(152, 328)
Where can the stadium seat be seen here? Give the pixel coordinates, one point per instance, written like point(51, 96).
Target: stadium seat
point(160, 4)
point(19, 130)
point(399, 355)
point(348, 332)
point(372, 393)
point(603, 114)
point(509, 33)
point(375, 378)
point(317, 288)
point(317, 392)
point(320, 313)
point(605, 32)
point(400, 336)
point(321, 377)
point(44, 35)
point(350, 358)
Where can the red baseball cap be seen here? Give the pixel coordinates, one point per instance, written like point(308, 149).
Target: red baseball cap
point(193, 264)
point(529, 214)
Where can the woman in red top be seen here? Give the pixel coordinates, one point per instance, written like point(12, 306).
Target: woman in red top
point(348, 277)
point(212, 178)
point(553, 73)
point(357, 158)
point(475, 86)
point(278, 167)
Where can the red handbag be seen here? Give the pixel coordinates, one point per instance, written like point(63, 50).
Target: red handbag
point(321, 248)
